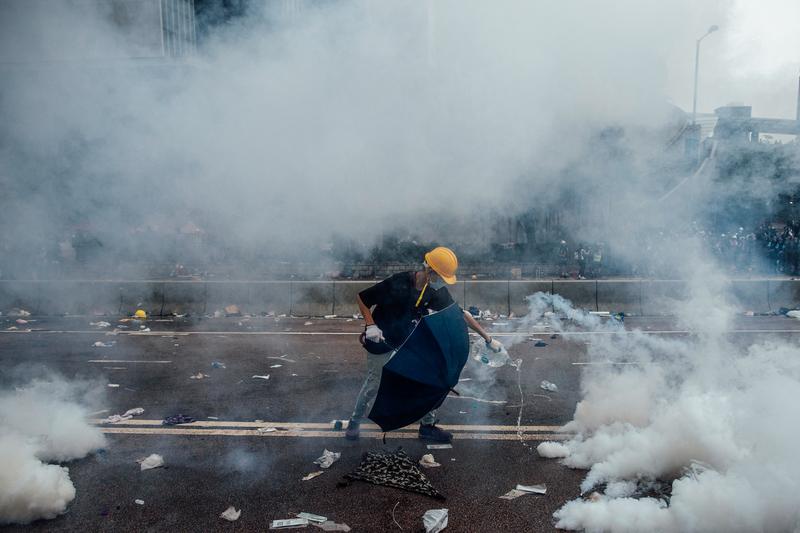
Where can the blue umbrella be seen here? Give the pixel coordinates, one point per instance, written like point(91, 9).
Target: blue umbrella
point(423, 370)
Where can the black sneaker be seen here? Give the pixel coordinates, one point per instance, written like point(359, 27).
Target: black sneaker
point(352, 430)
point(433, 433)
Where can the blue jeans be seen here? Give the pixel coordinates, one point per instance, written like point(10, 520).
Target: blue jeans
point(369, 389)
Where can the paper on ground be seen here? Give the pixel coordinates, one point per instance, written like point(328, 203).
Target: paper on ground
point(231, 514)
point(435, 520)
point(152, 461)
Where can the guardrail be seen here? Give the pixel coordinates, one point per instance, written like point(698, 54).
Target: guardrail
point(319, 298)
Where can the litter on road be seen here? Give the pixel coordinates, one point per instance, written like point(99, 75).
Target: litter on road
point(535, 489)
point(113, 385)
point(513, 494)
point(176, 419)
point(308, 323)
point(439, 446)
point(217, 364)
point(275, 366)
point(313, 517)
point(138, 502)
point(231, 514)
point(267, 430)
point(152, 461)
point(327, 459)
point(312, 475)
point(199, 375)
point(101, 324)
point(428, 461)
point(393, 469)
point(434, 520)
point(101, 344)
point(331, 526)
point(288, 523)
point(546, 385)
point(261, 377)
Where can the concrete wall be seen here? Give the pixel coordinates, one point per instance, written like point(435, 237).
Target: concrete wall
point(318, 298)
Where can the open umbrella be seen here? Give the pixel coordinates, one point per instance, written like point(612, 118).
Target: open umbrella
point(423, 370)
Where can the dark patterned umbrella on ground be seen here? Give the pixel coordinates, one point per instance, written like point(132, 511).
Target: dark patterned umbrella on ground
point(393, 469)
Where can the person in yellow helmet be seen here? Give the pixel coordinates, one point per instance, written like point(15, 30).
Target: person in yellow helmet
point(391, 309)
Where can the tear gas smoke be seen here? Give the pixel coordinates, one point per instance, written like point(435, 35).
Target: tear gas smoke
point(42, 422)
point(350, 118)
point(699, 412)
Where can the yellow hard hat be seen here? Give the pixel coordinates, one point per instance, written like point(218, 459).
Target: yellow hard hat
point(444, 262)
point(140, 313)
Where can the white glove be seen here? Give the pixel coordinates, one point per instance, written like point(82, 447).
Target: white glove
point(374, 333)
point(495, 345)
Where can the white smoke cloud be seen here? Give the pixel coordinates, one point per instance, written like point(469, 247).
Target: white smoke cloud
point(699, 412)
point(42, 422)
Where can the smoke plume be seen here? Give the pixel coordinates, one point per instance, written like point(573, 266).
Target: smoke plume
point(42, 422)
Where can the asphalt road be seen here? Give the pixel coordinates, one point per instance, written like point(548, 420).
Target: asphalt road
point(223, 460)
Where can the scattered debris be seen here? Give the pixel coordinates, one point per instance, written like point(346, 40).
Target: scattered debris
point(143, 329)
point(113, 385)
point(309, 323)
point(393, 469)
point(330, 316)
point(331, 526)
point(513, 494)
point(394, 519)
point(199, 375)
point(269, 429)
point(261, 377)
point(428, 462)
point(152, 461)
point(434, 520)
point(176, 419)
point(275, 366)
point(312, 475)
point(535, 489)
point(283, 358)
point(327, 459)
point(232, 310)
point(138, 502)
point(231, 514)
point(19, 312)
point(288, 523)
point(313, 517)
point(217, 364)
point(21, 321)
point(101, 324)
point(130, 413)
point(101, 344)
point(213, 417)
point(540, 344)
point(439, 446)
point(546, 385)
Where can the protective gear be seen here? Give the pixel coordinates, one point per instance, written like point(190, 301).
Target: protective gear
point(495, 345)
point(373, 333)
point(444, 262)
point(140, 313)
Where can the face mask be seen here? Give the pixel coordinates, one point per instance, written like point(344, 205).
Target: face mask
point(436, 284)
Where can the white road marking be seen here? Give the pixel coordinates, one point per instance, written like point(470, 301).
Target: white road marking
point(325, 434)
point(312, 425)
point(345, 333)
point(127, 361)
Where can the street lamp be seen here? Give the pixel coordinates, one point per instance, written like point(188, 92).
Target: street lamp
point(711, 30)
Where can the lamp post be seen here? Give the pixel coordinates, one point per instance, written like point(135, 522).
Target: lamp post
point(711, 30)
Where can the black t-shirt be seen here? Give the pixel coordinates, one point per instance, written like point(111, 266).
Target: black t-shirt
point(396, 310)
